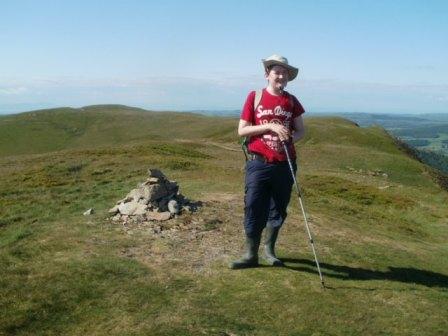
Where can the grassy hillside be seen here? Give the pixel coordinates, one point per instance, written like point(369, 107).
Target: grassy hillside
point(91, 126)
point(428, 132)
point(379, 220)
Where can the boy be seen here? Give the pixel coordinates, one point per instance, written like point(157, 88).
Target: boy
point(276, 118)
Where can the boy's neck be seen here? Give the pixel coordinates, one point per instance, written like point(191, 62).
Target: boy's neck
point(274, 91)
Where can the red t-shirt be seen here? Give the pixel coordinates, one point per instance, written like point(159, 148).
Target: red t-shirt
point(271, 109)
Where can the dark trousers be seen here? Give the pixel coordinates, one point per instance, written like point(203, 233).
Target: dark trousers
point(267, 194)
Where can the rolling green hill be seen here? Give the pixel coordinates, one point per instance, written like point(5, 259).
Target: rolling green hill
point(379, 219)
point(92, 126)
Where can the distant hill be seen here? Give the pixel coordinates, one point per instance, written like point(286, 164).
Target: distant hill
point(393, 121)
point(62, 128)
point(426, 133)
point(219, 113)
point(91, 126)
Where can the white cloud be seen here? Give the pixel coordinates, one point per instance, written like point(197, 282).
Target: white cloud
point(8, 91)
point(223, 92)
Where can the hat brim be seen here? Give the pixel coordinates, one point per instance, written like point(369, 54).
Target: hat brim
point(292, 71)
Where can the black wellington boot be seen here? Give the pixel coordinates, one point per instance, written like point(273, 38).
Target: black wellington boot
point(250, 258)
point(269, 247)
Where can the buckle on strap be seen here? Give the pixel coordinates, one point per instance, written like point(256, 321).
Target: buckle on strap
point(258, 157)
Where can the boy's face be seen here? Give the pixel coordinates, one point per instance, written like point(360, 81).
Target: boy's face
point(277, 77)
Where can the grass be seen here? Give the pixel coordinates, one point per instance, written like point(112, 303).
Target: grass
point(383, 251)
point(102, 125)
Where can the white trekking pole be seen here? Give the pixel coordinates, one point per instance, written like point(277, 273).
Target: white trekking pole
point(299, 194)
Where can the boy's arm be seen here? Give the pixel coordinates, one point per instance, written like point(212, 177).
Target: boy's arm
point(299, 129)
point(245, 128)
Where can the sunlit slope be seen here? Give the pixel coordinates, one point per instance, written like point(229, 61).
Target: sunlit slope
point(363, 179)
point(378, 218)
point(62, 128)
point(336, 144)
point(329, 142)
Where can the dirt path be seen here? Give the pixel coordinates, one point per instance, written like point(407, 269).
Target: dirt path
point(192, 242)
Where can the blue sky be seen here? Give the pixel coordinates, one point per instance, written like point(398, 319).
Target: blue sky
point(356, 56)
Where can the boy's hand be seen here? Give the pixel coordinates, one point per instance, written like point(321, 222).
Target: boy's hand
point(282, 132)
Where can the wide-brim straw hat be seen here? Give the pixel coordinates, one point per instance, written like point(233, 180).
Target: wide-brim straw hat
point(282, 61)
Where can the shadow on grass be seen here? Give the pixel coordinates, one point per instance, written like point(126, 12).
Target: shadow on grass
point(400, 274)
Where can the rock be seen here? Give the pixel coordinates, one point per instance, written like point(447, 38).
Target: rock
point(113, 210)
point(135, 194)
point(173, 206)
point(156, 199)
point(143, 201)
point(143, 193)
point(116, 218)
point(156, 191)
point(158, 216)
point(156, 173)
point(89, 212)
point(172, 187)
point(124, 200)
point(153, 180)
point(140, 209)
point(139, 218)
point(150, 192)
point(187, 208)
point(128, 208)
point(163, 205)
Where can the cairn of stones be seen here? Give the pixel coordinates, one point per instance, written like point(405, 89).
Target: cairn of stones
point(156, 199)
